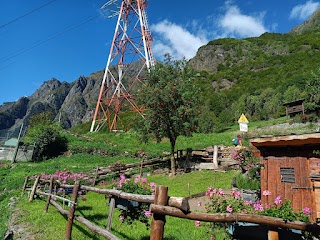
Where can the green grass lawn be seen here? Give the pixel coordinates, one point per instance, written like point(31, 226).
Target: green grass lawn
point(52, 225)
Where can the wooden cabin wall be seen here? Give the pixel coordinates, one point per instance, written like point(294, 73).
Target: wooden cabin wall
point(300, 192)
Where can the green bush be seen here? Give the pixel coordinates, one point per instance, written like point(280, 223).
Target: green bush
point(46, 136)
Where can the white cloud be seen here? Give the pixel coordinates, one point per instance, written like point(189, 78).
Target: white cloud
point(176, 40)
point(234, 23)
point(184, 41)
point(303, 11)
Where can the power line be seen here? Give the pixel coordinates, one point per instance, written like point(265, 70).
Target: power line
point(67, 29)
point(26, 14)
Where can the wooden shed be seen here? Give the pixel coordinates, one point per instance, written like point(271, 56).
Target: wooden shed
point(290, 167)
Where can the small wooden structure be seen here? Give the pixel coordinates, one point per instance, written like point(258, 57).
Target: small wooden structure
point(294, 107)
point(290, 168)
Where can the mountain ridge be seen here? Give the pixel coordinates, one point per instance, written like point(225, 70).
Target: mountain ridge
point(225, 66)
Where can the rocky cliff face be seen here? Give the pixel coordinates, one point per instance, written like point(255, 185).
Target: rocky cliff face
point(69, 103)
point(312, 24)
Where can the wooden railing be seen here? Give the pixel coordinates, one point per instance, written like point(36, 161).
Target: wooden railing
point(176, 202)
point(161, 206)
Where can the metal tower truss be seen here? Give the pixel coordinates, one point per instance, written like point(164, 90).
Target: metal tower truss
point(129, 58)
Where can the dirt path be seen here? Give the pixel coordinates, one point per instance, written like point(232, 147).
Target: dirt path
point(16, 229)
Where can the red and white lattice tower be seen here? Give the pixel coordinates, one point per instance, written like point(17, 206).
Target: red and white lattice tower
point(129, 58)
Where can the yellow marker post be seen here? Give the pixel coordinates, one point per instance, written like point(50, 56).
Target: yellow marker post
point(243, 123)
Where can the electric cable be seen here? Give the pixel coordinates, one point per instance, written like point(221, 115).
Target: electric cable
point(67, 29)
point(26, 14)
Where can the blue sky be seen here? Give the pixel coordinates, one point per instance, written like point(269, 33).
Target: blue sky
point(42, 39)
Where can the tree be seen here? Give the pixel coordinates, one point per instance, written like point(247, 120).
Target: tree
point(171, 100)
point(46, 136)
point(313, 90)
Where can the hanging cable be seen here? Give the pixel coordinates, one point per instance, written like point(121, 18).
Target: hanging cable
point(26, 14)
point(67, 29)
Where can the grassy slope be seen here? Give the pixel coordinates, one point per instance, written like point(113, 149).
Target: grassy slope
point(119, 145)
point(12, 178)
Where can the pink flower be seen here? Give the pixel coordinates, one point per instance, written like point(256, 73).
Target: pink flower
point(199, 204)
point(137, 179)
point(258, 207)
point(210, 192)
point(152, 184)
point(266, 193)
point(148, 213)
point(197, 223)
point(306, 210)
point(122, 177)
point(235, 194)
point(229, 209)
point(220, 192)
point(83, 198)
point(144, 180)
point(278, 200)
point(121, 217)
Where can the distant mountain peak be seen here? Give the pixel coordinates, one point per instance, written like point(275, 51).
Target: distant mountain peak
point(312, 24)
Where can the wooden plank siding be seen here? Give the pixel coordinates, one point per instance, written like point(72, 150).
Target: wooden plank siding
point(299, 192)
point(291, 155)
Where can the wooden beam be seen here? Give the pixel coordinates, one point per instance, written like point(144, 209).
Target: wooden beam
point(72, 210)
point(111, 211)
point(181, 203)
point(85, 222)
point(235, 217)
point(33, 190)
point(25, 185)
point(158, 220)
point(49, 196)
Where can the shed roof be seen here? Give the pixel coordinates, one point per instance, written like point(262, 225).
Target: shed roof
point(294, 103)
point(11, 142)
point(290, 140)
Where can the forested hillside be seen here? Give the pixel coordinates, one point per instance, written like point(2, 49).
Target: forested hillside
point(257, 75)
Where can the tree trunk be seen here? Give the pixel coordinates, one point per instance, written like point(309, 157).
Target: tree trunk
point(172, 160)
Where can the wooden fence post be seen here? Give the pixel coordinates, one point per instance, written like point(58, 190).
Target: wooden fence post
point(96, 177)
point(72, 210)
point(34, 188)
point(215, 157)
point(158, 221)
point(273, 233)
point(111, 210)
point(49, 196)
point(25, 185)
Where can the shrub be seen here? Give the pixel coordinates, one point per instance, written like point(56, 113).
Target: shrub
point(140, 212)
point(46, 136)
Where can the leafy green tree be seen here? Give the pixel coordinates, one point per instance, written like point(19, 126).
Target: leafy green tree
point(313, 90)
point(46, 136)
point(171, 100)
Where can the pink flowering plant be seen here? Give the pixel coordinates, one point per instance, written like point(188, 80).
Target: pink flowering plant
point(67, 177)
point(138, 185)
point(249, 178)
point(232, 203)
point(222, 203)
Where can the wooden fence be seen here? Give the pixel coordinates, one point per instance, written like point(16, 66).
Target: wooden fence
point(161, 206)
point(35, 189)
point(213, 157)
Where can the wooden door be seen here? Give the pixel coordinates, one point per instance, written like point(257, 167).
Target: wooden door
point(287, 177)
point(316, 187)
